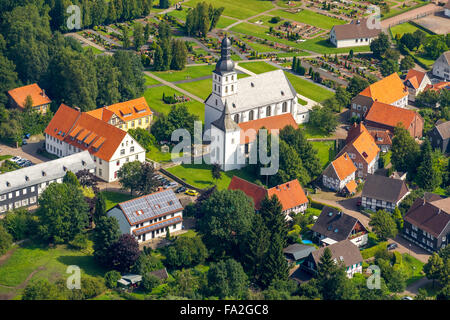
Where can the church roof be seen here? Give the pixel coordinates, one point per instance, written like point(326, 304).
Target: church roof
point(225, 123)
point(261, 90)
point(225, 63)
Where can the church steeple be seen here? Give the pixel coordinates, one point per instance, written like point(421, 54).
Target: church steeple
point(225, 123)
point(224, 76)
point(225, 64)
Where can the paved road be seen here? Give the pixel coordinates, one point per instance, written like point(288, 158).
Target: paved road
point(170, 84)
point(28, 151)
point(78, 37)
point(413, 288)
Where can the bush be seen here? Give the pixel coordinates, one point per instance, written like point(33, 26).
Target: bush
point(92, 287)
point(111, 278)
point(149, 281)
point(20, 224)
point(370, 252)
point(398, 259)
point(80, 242)
point(5, 240)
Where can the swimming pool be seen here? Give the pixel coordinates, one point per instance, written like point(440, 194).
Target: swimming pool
point(307, 241)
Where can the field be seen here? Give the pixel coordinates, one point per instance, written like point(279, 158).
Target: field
point(113, 198)
point(257, 67)
point(45, 263)
point(154, 100)
point(309, 89)
point(224, 22)
point(201, 88)
point(325, 151)
point(199, 175)
point(259, 47)
point(236, 9)
point(405, 28)
point(310, 17)
point(190, 72)
point(94, 50)
point(149, 81)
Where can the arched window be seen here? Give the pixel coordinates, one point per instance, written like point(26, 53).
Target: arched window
point(236, 118)
point(284, 109)
point(250, 115)
point(268, 111)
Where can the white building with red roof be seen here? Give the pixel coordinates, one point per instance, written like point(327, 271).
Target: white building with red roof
point(340, 174)
point(40, 101)
point(71, 131)
point(416, 82)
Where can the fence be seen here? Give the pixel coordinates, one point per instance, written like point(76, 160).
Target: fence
point(418, 16)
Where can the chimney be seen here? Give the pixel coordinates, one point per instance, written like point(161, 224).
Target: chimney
point(43, 92)
point(77, 108)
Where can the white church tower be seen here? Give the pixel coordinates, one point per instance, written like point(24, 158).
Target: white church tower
point(224, 85)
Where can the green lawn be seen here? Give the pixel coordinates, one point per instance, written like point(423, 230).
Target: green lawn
point(4, 157)
point(322, 45)
point(50, 263)
point(179, 14)
point(406, 28)
point(412, 267)
point(313, 132)
point(310, 17)
point(199, 175)
point(155, 154)
point(399, 10)
point(149, 81)
point(94, 50)
point(236, 9)
point(259, 47)
point(224, 22)
point(154, 100)
point(309, 89)
point(113, 198)
point(201, 89)
point(292, 54)
point(257, 67)
point(190, 72)
point(325, 151)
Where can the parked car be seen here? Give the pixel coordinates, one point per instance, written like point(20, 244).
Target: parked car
point(358, 203)
point(24, 142)
point(16, 159)
point(407, 298)
point(392, 246)
point(159, 177)
point(27, 136)
point(22, 162)
point(180, 189)
point(191, 192)
point(173, 184)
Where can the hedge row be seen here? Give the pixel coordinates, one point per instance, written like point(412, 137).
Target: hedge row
point(370, 252)
point(319, 205)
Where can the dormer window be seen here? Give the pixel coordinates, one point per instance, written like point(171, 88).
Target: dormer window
point(64, 168)
point(8, 184)
point(27, 178)
point(252, 84)
point(43, 173)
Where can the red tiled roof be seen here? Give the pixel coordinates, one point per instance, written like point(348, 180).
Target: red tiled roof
point(415, 77)
point(68, 123)
point(387, 90)
point(351, 186)
point(249, 129)
point(381, 137)
point(254, 191)
point(438, 86)
point(19, 95)
point(354, 131)
point(389, 115)
point(290, 194)
point(128, 110)
point(343, 166)
point(366, 146)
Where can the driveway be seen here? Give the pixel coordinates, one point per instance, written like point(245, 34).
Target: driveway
point(28, 151)
point(404, 246)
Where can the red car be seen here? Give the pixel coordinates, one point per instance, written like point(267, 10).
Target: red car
point(358, 203)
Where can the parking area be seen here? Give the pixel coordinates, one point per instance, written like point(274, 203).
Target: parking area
point(28, 151)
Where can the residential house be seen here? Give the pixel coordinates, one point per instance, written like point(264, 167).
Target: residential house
point(126, 115)
point(441, 67)
point(333, 226)
point(363, 151)
point(440, 136)
point(339, 174)
point(382, 139)
point(427, 222)
point(387, 117)
point(296, 253)
point(71, 131)
point(22, 187)
point(356, 33)
point(383, 193)
point(416, 81)
point(438, 86)
point(18, 97)
point(344, 252)
point(150, 216)
point(290, 194)
point(389, 90)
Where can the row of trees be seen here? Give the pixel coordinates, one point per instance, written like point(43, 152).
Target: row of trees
point(168, 53)
point(202, 19)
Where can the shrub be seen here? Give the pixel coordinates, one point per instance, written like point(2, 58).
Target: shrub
point(370, 252)
point(111, 278)
point(80, 242)
point(20, 224)
point(149, 281)
point(5, 240)
point(92, 287)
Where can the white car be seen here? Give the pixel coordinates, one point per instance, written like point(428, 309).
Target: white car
point(16, 159)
